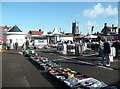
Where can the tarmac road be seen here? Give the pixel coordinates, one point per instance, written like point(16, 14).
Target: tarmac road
point(19, 71)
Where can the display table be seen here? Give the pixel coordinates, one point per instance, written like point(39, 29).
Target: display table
point(75, 79)
point(45, 63)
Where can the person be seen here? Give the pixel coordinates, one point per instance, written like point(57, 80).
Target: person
point(100, 48)
point(16, 45)
point(27, 44)
point(93, 46)
point(8, 45)
point(33, 44)
point(81, 48)
point(106, 52)
point(50, 43)
point(116, 45)
point(76, 48)
point(23, 48)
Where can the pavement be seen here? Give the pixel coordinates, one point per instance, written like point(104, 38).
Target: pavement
point(19, 71)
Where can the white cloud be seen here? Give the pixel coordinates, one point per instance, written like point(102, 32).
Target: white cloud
point(99, 10)
point(111, 11)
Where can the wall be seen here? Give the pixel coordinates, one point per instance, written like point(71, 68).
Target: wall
point(66, 38)
point(19, 38)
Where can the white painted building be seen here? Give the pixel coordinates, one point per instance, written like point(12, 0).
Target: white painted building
point(38, 37)
point(56, 36)
point(66, 38)
point(15, 34)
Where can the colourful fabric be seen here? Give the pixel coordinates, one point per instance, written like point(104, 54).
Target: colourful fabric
point(27, 51)
point(8, 44)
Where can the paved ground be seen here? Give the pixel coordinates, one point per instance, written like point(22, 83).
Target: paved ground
point(19, 71)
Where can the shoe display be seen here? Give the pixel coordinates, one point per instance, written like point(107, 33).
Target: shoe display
point(74, 79)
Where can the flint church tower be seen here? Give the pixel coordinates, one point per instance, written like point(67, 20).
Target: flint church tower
point(75, 28)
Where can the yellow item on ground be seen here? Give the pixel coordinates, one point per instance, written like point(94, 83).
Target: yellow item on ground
point(0, 50)
point(70, 74)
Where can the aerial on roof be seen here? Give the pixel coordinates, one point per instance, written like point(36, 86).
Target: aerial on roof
point(15, 29)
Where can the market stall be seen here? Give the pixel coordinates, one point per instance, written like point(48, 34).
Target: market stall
point(45, 63)
point(76, 80)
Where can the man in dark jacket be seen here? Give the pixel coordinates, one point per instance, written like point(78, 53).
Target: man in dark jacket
point(16, 45)
point(106, 53)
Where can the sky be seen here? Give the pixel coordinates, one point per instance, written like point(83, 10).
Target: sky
point(49, 15)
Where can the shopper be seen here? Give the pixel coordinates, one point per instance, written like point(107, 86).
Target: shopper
point(23, 48)
point(50, 43)
point(8, 45)
point(116, 45)
point(16, 45)
point(100, 48)
point(27, 44)
point(81, 48)
point(106, 52)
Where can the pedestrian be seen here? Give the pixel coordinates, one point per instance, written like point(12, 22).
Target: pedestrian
point(50, 43)
point(23, 48)
point(27, 44)
point(106, 52)
point(76, 48)
point(8, 45)
point(81, 48)
point(11, 44)
point(117, 46)
point(16, 45)
point(93, 46)
point(100, 48)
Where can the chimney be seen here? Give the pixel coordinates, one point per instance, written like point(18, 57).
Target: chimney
point(112, 25)
point(40, 30)
point(5, 26)
point(105, 24)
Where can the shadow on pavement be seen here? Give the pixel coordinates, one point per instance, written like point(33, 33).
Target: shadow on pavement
point(86, 59)
point(49, 52)
point(117, 84)
point(35, 64)
point(75, 63)
point(54, 81)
